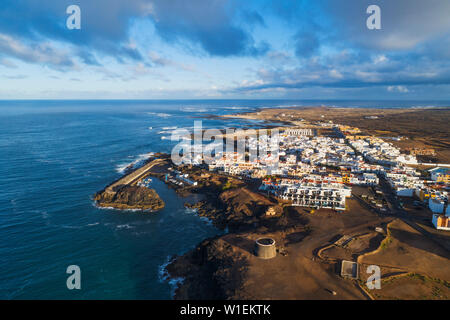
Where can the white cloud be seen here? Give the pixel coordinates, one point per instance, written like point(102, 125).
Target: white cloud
point(401, 89)
point(380, 59)
point(43, 53)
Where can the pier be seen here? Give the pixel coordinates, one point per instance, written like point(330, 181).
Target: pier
point(132, 177)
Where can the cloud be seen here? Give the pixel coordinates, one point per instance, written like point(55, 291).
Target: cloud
point(215, 26)
point(7, 63)
point(15, 77)
point(253, 17)
point(287, 45)
point(306, 43)
point(401, 89)
point(352, 70)
point(104, 25)
point(405, 23)
point(42, 53)
point(160, 61)
point(210, 24)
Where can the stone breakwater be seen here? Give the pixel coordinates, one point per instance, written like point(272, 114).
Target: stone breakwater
point(125, 194)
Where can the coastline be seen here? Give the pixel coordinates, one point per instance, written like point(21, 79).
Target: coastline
point(225, 267)
point(125, 193)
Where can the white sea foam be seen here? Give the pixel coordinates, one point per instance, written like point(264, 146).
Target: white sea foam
point(93, 224)
point(191, 210)
point(196, 109)
point(164, 276)
point(65, 226)
point(206, 220)
point(236, 108)
point(120, 168)
point(423, 107)
point(124, 226)
point(159, 114)
point(169, 128)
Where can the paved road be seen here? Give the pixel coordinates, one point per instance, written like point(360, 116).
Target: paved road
point(399, 212)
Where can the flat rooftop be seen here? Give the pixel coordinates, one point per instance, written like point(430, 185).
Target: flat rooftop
point(349, 269)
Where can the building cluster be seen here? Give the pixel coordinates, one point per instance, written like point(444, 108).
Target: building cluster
point(421, 151)
point(178, 178)
point(312, 191)
point(379, 151)
point(318, 171)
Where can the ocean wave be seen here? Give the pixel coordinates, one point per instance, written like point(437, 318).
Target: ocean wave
point(124, 226)
point(159, 114)
point(102, 208)
point(208, 221)
point(164, 276)
point(66, 226)
point(44, 215)
point(120, 168)
point(424, 107)
point(196, 109)
point(169, 128)
point(191, 210)
point(93, 224)
point(237, 108)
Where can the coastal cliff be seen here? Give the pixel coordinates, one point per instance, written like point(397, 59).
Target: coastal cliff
point(213, 270)
point(131, 197)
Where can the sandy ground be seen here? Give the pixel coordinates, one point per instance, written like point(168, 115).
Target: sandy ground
point(406, 248)
point(301, 274)
point(412, 287)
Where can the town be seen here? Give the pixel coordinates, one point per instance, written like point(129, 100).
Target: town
point(321, 165)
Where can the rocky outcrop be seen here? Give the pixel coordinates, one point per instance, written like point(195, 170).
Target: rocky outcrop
point(130, 197)
point(213, 270)
point(243, 202)
point(238, 209)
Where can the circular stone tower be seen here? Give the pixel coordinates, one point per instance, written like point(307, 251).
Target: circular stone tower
point(265, 248)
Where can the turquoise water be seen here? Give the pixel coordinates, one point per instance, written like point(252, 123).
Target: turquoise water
point(54, 155)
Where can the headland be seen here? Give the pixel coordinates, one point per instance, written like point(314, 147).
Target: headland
point(371, 204)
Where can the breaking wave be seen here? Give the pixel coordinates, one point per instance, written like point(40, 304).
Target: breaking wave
point(121, 168)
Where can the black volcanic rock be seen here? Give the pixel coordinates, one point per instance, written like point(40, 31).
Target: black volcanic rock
point(131, 197)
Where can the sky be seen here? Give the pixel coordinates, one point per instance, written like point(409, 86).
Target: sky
point(225, 49)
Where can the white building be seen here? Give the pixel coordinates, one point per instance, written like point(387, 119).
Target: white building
point(316, 195)
point(299, 132)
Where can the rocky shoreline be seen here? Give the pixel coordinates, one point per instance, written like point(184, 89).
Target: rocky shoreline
point(127, 194)
point(213, 270)
point(225, 267)
point(131, 198)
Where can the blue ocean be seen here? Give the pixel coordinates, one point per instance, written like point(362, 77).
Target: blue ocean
point(54, 155)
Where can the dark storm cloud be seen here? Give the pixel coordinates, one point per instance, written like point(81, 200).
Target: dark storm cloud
point(337, 50)
point(106, 24)
point(405, 23)
point(211, 24)
point(306, 44)
point(324, 43)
